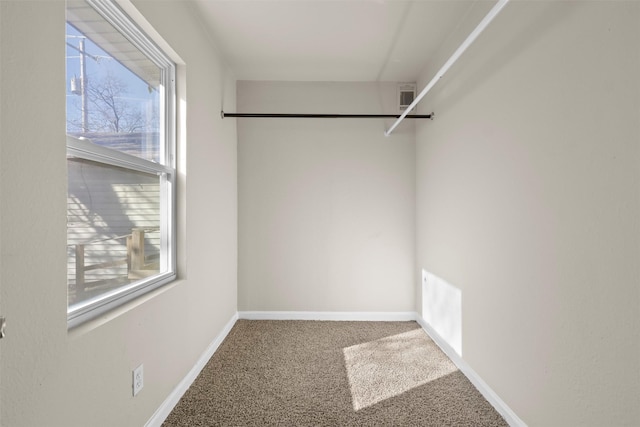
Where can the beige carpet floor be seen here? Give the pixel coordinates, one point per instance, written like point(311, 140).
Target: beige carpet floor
point(312, 373)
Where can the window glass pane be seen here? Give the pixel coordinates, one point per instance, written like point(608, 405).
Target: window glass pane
point(113, 228)
point(114, 91)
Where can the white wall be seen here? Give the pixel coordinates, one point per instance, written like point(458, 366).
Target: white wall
point(326, 206)
point(52, 377)
point(528, 201)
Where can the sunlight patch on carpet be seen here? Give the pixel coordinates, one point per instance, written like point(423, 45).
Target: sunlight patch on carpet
point(390, 366)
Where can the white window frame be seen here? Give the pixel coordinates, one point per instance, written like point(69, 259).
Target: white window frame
point(166, 169)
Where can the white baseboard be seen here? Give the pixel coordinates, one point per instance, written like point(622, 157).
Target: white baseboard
point(486, 391)
point(172, 400)
point(329, 315)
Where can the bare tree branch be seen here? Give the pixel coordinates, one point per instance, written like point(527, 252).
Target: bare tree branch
point(109, 109)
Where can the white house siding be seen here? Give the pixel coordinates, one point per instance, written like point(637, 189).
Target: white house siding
point(104, 203)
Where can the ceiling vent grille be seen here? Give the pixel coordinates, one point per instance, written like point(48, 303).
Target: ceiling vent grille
point(406, 95)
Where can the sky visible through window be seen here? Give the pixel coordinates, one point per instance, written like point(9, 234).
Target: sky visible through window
point(130, 98)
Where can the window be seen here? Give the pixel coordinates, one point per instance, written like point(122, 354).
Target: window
point(120, 160)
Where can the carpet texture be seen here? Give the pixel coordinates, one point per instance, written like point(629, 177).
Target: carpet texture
point(316, 373)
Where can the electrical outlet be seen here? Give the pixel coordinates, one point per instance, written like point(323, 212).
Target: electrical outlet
point(138, 379)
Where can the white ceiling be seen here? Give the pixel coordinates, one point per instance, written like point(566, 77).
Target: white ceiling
point(331, 40)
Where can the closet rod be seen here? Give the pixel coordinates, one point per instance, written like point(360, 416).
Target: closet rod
point(465, 44)
point(327, 116)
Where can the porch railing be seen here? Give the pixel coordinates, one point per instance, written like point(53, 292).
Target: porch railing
point(139, 265)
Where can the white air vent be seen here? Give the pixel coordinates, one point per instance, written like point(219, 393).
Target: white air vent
point(406, 95)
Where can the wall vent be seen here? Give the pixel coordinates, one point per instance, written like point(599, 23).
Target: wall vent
point(406, 95)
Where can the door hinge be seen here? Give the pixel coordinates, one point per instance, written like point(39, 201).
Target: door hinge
point(3, 324)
